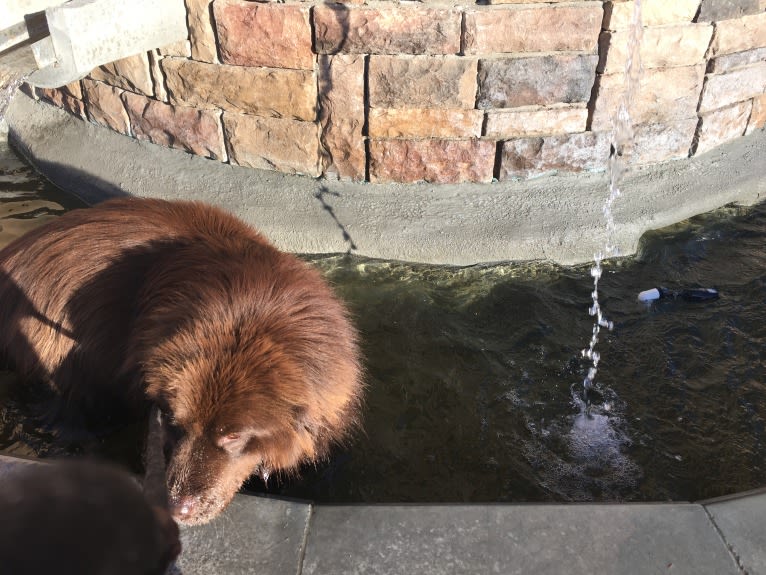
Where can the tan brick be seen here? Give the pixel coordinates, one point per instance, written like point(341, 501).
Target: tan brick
point(728, 62)
point(195, 131)
point(738, 85)
point(653, 13)
point(529, 157)
point(757, 115)
point(422, 82)
point(535, 122)
point(341, 95)
point(271, 35)
point(62, 98)
point(654, 143)
point(662, 47)
point(201, 33)
point(180, 49)
point(664, 95)
point(424, 123)
point(528, 29)
point(536, 80)
point(738, 35)
point(259, 91)
point(392, 29)
point(527, 1)
point(715, 10)
point(105, 106)
point(273, 143)
point(438, 161)
point(131, 73)
point(721, 126)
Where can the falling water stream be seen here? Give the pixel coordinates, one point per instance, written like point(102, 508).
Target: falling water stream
point(622, 147)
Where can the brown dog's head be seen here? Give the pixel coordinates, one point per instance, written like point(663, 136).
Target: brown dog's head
point(251, 384)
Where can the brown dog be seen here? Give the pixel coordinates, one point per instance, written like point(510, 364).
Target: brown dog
point(245, 349)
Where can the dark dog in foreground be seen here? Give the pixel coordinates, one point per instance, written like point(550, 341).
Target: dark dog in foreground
point(245, 349)
point(81, 518)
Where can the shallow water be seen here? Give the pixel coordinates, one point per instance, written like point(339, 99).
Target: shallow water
point(473, 372)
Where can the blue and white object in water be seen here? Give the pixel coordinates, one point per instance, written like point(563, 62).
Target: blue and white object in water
point(689, 294)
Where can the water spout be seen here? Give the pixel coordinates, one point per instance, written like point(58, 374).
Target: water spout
point(622, 148)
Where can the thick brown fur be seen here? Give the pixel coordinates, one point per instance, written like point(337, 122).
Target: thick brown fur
point(246, 350)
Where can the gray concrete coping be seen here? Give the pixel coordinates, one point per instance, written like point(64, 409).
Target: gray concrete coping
point(271, 536)
point(557, 217)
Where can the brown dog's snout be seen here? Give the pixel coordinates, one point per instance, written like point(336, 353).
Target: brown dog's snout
point(183, 507)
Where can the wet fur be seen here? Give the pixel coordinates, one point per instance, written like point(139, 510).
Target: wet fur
point(245, 349)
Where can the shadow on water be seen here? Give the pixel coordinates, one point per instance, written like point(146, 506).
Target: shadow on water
point(471, 374)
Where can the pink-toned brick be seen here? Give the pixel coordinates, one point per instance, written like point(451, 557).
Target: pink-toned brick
point(273, 143)
point(723, 89)
point(104, 106)
point(528, 29)
point(390, 29)
point(664, 95)
point(438, 161)
point(195, 131)
point(517, 123)
point(529, 157)
point(757, 115)
point(737, 35)
point(271, 35)
point(422, 82)
point(132, 73)
point(424, 123)
point(259, 91)
point(341, 96)
point(722, 126)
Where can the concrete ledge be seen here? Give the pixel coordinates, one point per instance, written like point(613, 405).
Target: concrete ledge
point(274, 536)
point(558, 218)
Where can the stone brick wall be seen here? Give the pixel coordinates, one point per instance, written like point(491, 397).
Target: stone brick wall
point(437, 91)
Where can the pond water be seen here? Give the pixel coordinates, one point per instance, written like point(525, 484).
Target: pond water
point(474, 373)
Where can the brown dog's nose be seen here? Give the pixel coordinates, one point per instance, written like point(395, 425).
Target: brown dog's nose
point(182, 507)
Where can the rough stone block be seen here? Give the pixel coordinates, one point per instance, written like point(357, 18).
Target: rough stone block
point(527, 1)
point(201, 33)
point(528, 29)
point(666, 46)
point(422, 82)
point(341, 97)
point(259, 91)
point(715, 10)
point(738, 35)
point(392, 29)
point(757, 115)
point(729, 62)
point(105, 106)
point(420, 123)
point(62, 98)
point(195, 131)
point(279, 144)
point(655, 143)
point(618, 15)
point(664, 95)
point(721, 126)
point(738, 85)
point(530, 157)
point(438, 161)
point(536, 80)
point(271, 35)
point(158, 78)
point(536, 122)
point(180, 49)
point(131, 73)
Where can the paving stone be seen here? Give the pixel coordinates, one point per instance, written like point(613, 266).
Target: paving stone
point(253, 535)
point(740, 520)
point(513, 29)
point(535, 80)
point(392, 29)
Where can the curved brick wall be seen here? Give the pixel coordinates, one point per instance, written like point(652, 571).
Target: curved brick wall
point(432, 91)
